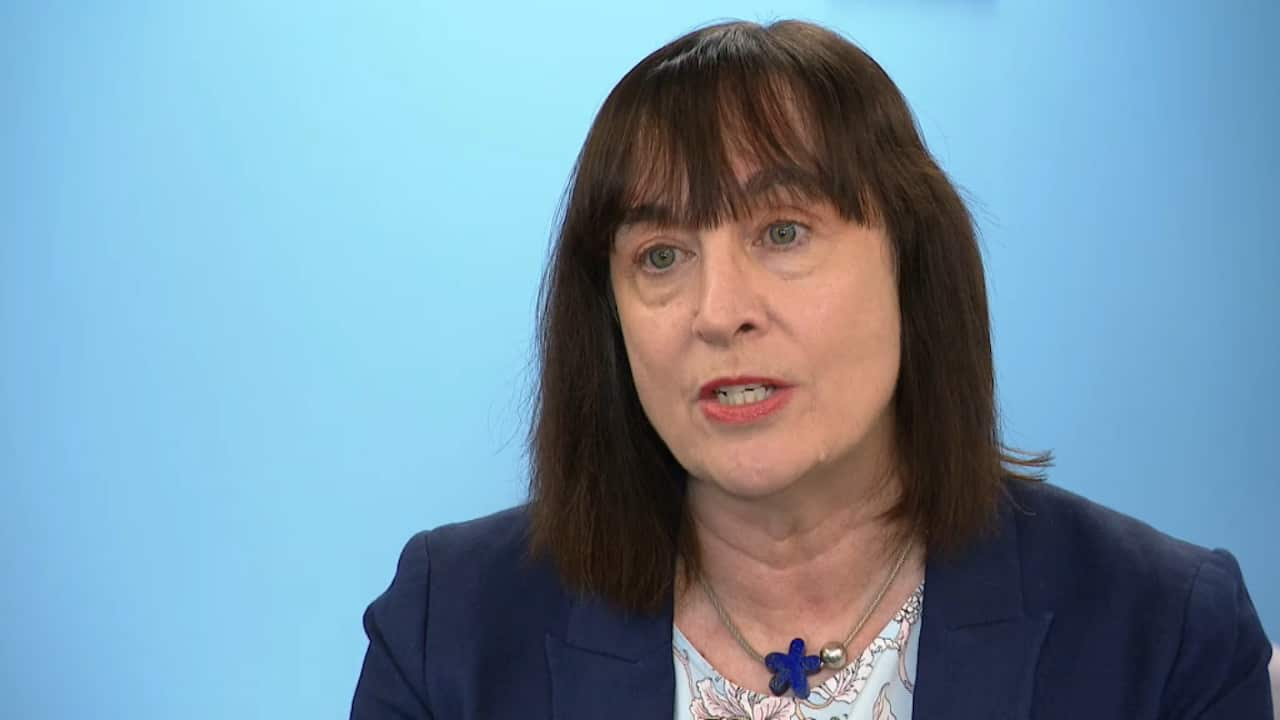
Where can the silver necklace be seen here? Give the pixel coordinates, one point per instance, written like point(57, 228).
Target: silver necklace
point(792, 668)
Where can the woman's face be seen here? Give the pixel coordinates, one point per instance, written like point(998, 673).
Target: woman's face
point(764, 350)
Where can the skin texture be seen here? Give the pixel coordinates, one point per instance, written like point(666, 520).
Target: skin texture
point(787, 510)
point(818, 311)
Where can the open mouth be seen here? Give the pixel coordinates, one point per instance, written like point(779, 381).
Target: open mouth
point(743, 394)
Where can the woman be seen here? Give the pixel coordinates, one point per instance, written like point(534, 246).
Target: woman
point(767, 477)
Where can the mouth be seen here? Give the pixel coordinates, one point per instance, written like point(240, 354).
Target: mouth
point(743, 394)
point(743, 401)
point(736, 391)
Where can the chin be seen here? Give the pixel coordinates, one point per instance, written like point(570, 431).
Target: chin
point(749, 481)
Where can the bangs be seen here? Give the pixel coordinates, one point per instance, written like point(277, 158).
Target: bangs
point(714, 129)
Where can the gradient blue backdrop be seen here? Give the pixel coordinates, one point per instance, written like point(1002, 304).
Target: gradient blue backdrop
point(267, 277)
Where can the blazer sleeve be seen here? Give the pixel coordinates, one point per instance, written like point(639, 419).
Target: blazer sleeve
point(1221, 668)
point(392, 682)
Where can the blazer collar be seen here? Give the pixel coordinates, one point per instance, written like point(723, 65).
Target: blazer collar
point(977, 654)
point(978, 645)
point(612, 664)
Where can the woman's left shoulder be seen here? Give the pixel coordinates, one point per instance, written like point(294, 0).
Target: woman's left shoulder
point(1108, 571)
point(1179, 609)
point(1069, 536)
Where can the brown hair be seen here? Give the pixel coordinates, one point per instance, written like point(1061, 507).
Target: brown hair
point(801, 103)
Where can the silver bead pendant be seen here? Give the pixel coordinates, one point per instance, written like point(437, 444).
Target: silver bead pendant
point(832, 655)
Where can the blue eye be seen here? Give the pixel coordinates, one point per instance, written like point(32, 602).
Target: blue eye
point(661, 257)
point(782, 234)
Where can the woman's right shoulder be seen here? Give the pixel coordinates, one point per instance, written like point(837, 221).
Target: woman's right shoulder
point(486, 551)
point(503, 535)
point(451, 605)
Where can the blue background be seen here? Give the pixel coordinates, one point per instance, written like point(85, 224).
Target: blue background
point(267, 277)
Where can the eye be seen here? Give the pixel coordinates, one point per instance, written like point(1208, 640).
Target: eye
point(783, 234)
point(660, 257)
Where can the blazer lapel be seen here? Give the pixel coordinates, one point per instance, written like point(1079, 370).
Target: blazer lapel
point(977, 656)
point(612, 665)
point(978, 645)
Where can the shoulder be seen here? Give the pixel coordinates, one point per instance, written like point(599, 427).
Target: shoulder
point(472, 567)
point(480, 565)
point(1181, 611)
point(491, 542)
point(1074, 538)
point(464, 555)
point(466, 598)
point(1076, 553)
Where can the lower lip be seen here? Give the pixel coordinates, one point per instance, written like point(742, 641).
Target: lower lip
point(748, 413)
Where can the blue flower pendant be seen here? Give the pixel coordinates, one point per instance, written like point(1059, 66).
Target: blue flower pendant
point(792, 670)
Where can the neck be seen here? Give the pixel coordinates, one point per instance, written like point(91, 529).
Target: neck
point(825, 540)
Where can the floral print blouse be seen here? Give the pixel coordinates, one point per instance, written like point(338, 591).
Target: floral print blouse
point(877, 685)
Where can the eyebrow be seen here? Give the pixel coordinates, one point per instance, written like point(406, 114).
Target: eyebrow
point(762, 184)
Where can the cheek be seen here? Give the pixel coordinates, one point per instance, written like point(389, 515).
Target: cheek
point(651, 351)
point(858, 348)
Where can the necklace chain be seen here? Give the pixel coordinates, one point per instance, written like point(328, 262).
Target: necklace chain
point(866, 615)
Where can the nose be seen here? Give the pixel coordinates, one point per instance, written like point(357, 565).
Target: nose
point(730, 305)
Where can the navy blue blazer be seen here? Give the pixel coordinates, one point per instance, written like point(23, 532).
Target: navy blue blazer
point(1067, 610)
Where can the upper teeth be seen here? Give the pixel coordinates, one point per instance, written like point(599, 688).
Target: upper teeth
point(743, 394)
